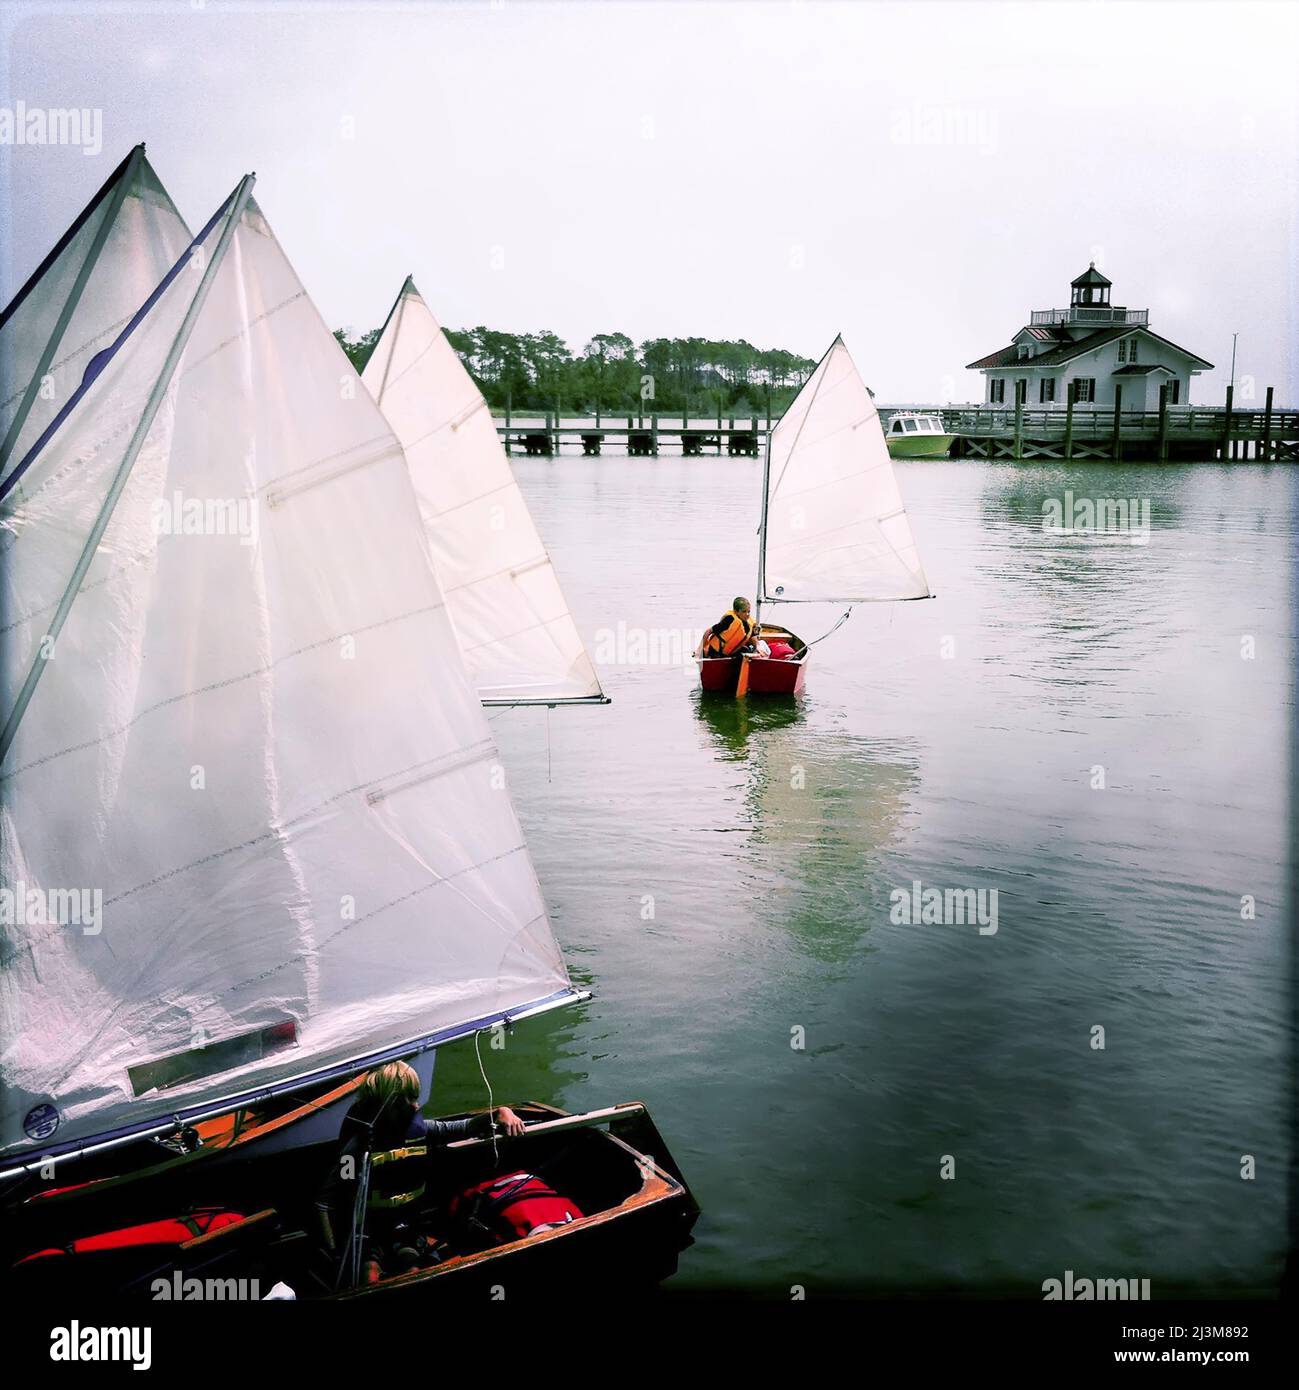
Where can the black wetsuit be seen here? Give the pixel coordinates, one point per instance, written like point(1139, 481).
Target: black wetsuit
point(392, 1128)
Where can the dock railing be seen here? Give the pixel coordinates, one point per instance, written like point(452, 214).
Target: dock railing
point(1055, 430)
point(1211, 421)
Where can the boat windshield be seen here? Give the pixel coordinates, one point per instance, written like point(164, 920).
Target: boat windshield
point(911, 426)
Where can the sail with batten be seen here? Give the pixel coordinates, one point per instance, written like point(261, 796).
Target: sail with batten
point(518, 637)
point(81, 296)
point(834, 527)
point(238, 733)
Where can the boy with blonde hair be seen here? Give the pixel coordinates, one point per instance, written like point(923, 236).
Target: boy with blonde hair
point(385, 1115)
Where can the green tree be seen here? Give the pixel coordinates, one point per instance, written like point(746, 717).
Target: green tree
point(358, 350)
point(533, 370)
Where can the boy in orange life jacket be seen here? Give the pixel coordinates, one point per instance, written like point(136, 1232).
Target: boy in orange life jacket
point(735, 633)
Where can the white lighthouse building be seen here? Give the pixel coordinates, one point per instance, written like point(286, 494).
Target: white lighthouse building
point(1095, 346)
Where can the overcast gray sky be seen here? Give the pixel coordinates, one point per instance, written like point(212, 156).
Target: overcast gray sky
point(916, 175)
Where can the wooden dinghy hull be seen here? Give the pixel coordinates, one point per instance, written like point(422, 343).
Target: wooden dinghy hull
point(637, 1215)
point(275, 1126)
point(634, 1244)
point(756, 675)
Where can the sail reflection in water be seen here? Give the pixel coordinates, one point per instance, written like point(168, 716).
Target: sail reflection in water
point(822, 811)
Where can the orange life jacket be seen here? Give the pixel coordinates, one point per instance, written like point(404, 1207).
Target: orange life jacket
point(740, 631)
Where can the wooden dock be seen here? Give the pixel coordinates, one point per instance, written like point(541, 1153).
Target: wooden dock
point(1075, 431)
point(640, 435)
point(1062, 433)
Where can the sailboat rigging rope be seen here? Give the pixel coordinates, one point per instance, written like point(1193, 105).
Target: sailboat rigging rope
point(847, 613)
point(350, 1264)
point(349, 1267)
point(363, 1202)
point(491, 1103)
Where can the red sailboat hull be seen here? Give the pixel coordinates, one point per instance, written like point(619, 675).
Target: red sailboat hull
point(756, 675)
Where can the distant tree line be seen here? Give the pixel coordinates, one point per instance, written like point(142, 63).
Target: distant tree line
point(533, 371)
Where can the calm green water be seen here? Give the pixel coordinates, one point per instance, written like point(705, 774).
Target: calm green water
point(769, 837)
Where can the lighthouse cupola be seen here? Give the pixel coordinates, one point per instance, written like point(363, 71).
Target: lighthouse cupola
point(1090, 288)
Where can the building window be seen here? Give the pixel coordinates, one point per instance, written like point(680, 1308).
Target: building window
point(1024, 350)
point(1132, 350)
point(1046, 389)
point(1123, 349)
point(997, 390)
point(1086, 388)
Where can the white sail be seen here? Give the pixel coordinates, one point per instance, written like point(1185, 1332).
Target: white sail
point(836, 529)
point(81, 297)
point(288, 801)
point(518, 637)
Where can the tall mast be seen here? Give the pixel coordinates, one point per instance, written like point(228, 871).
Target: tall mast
point(237, 202)
point(125, 173)
point(762, 535)
point(513, 624)
point(398, 308)
point(766, 470)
